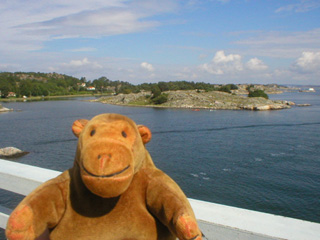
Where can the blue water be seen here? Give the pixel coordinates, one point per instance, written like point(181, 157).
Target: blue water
point(266, 161)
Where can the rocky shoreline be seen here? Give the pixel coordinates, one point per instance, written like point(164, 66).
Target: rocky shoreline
point(11, 152)
point(192, 99)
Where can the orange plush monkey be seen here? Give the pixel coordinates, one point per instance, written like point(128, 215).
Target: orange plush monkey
point(113, 191)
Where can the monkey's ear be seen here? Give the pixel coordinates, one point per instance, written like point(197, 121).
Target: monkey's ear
point(78, 126)
point(145, 133)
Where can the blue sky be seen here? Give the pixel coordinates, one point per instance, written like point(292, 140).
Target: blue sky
point(215, 41)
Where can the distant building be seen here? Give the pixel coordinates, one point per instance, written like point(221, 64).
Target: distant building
point(81, 84)
point(91, 88)
point(11, 94)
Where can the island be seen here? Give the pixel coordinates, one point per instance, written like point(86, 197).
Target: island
point(195, 99)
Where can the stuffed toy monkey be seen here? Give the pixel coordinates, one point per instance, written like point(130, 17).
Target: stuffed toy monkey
point(113, 191)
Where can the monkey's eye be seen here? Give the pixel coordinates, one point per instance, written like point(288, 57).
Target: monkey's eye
point(124, 134)
point(92, 132)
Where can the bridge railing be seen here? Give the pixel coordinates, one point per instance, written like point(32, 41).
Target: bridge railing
point(216, 221)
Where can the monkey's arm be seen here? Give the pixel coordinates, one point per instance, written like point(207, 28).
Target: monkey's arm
point(169, 204)
point(41, 210)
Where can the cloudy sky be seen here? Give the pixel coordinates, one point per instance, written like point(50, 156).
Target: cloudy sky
point(216, 41)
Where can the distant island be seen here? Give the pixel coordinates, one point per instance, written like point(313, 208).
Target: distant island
point(193, 99)
point(173, 94)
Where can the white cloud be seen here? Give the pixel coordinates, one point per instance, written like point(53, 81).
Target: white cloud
point(256, 64)
point(95, 23)
point(147, 66)
point(220, 57)
point(222, 64)
point(308, 62)
point(186, 73)
point(302, 6)
point(82, 63)
point(29, 24)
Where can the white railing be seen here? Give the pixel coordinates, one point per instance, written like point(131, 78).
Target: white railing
point(216, 221)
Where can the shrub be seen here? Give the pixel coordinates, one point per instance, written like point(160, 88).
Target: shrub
point(126, 91)
point(233, 86)
point(160, 99)
point(225, 88)
point(258, 93)
point(156, 92)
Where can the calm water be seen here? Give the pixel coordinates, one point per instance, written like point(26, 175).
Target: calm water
point(265, 161)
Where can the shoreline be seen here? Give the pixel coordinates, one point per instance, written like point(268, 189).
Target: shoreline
point(181, 99)
point(50, 97)
point(195, 108)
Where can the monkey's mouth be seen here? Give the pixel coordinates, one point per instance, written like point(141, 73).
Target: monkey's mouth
point(107, 175)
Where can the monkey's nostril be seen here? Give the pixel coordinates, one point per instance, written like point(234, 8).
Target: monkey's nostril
point(104, 156)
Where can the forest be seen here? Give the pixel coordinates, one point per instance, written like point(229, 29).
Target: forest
point(54, 84)
point(39, 84)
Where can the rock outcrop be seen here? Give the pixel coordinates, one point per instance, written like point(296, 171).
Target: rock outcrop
point(11, 152)
point(202, 100)
point(3, 109)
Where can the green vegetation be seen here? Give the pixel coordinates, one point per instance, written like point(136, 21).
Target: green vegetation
point(227, 88)
point(39, 84)
point(34, 84)
point(157, 88)
point(162, 98)
point(258, 93)
point(156, 91)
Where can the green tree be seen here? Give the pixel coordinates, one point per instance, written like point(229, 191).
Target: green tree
point(26, 87)
point(258, 93)
point(163, 86)
point(156, 92)
point(4, 91)
point(225, 88)
point(162, 98)
point(233, 86)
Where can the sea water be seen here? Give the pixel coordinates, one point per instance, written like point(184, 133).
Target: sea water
point(267, 161)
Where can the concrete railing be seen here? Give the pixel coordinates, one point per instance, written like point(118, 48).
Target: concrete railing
point(216, 221)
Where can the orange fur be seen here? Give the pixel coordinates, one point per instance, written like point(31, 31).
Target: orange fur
point(113, 191)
